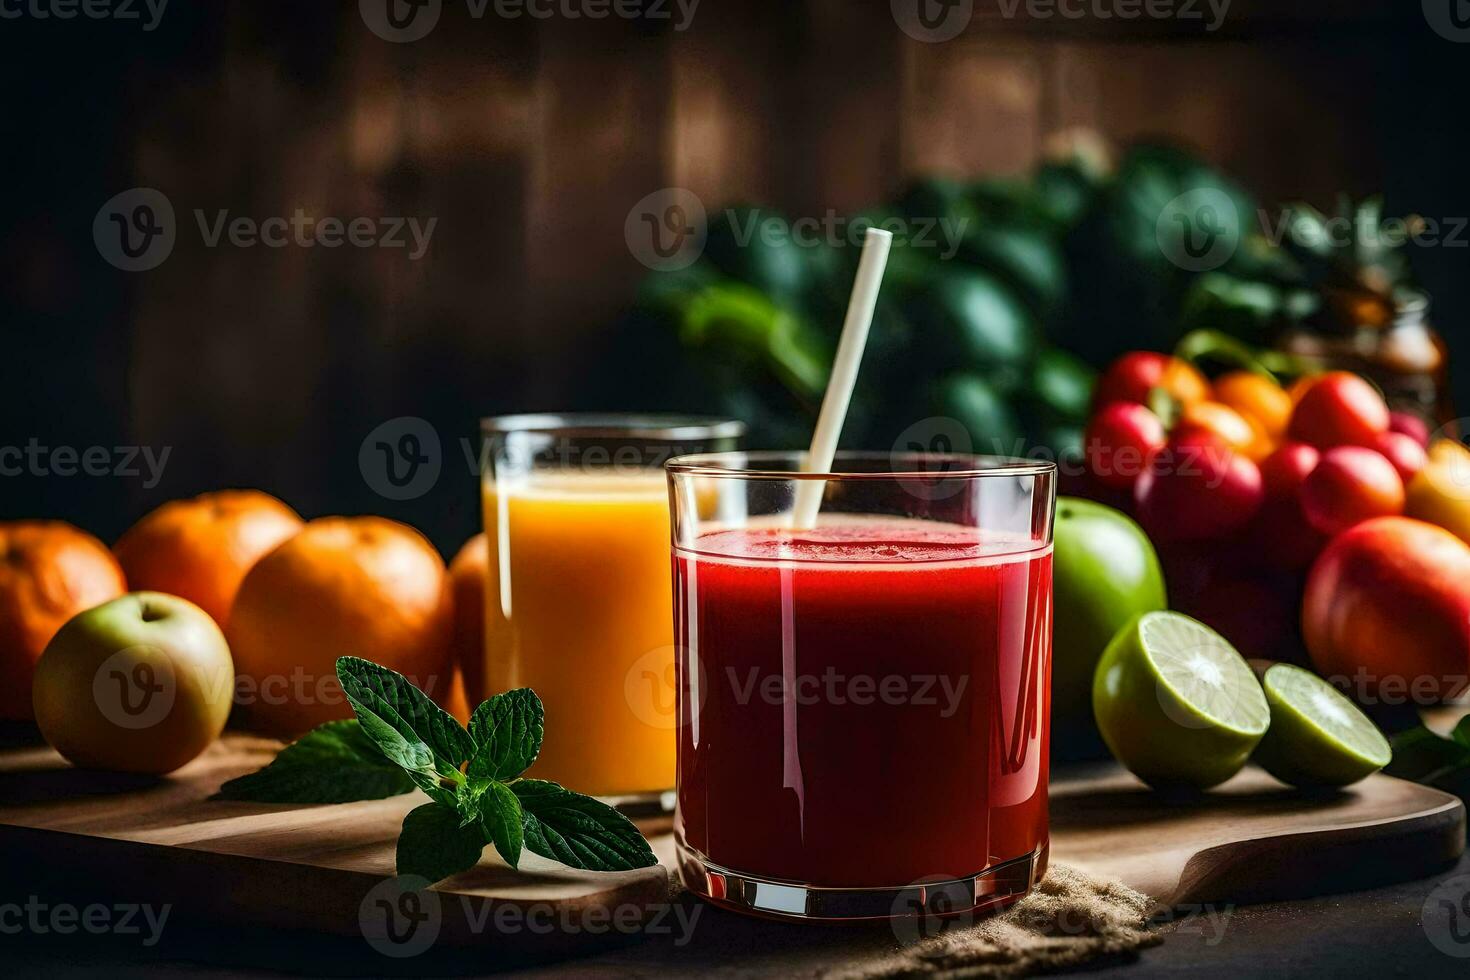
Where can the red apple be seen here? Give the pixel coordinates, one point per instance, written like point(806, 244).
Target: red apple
point(1281, 536)
point(1120, 440)
point(1387, 608)
point(1406, 455)
point(1410, 425)
point(1197, 489)
point(1339, 409)
point(1351, 485)
point(1134, 375)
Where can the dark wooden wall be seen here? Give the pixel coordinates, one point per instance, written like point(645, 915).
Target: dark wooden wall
point(529, 141)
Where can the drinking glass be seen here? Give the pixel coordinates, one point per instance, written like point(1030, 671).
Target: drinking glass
point(577, 600)
point(863, 705)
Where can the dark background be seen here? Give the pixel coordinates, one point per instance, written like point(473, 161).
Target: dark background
point(529, 141)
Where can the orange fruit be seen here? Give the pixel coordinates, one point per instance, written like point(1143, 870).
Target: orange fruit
point(343, 586)
point(49, 572)
point(200, 549)
point(1258, 398)
point(468, 572)
point(1235, 430)
point(1184, 383)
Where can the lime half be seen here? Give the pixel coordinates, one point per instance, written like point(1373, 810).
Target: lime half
point(1176, 703)
point(1318, 737)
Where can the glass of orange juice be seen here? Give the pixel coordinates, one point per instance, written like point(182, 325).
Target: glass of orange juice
point(578, 602)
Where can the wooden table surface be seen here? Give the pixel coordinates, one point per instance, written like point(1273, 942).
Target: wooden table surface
point(1369, 934)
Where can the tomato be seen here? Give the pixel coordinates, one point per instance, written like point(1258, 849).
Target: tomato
point(1340, 409)
point(1119, 442)
point(1132, 377)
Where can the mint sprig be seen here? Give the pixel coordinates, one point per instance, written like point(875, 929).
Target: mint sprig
point(401, 740)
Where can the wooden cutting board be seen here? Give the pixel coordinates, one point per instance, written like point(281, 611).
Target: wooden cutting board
point(324, 868)
point(1253, 839)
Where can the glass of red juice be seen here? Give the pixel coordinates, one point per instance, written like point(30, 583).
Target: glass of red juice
point(864, 705)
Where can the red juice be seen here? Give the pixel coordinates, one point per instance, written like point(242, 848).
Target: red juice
point(864, 705)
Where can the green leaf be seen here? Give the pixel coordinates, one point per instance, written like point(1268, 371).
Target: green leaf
point(467, 799)
point(579, 831)
point(984, 411)
point(738, 324)
point(507, 732)
point(413, 731)
point(1063, 386)
point(1461, 734)
point(1422, 756)
point(434, 846)
point(1165, 406)
point(502, 821)
point(1198, 345)
point(971, 319)
point(333, 763)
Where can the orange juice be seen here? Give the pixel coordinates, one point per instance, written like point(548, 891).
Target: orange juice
point(579, 607)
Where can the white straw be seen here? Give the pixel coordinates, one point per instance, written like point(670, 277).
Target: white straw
point(844, 375)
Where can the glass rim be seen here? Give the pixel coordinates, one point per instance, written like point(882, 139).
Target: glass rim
point(974, 466)
point(672, 427)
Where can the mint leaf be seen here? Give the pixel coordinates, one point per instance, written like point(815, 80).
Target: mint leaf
point(1423, 756)
point(1420, 752)
point(579, 831)
point(467, 799)
point(507, 732)
point(413, 732)
point(434, 846)
point(502, 822)
point(332, 763)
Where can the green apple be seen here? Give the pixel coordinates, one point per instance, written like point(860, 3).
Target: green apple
point(143, 684)
point(1105, 574)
